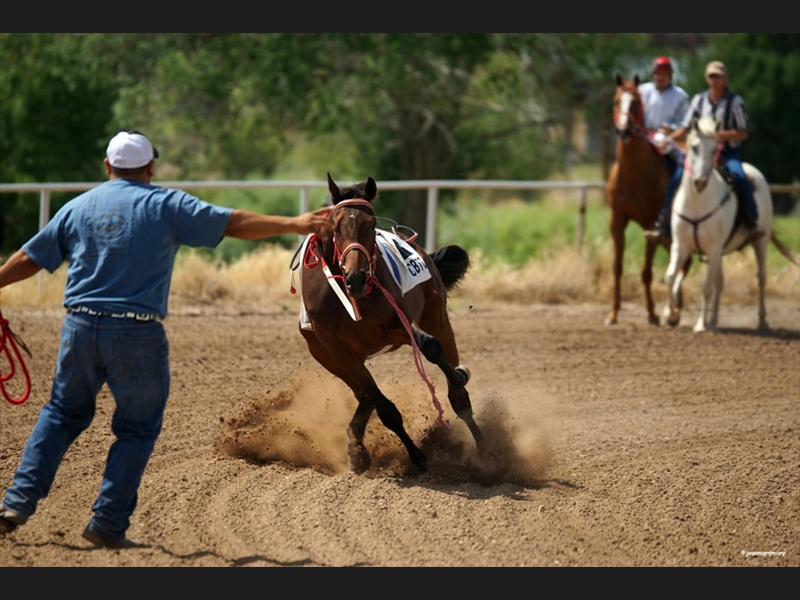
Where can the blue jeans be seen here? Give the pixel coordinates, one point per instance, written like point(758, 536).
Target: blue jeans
point(132, 357)
point(733, 163)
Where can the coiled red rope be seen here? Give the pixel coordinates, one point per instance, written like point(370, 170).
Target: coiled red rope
point(9, 347)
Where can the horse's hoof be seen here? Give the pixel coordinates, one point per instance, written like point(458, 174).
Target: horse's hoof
point(358, 458)
point(610, 321)
point(654, 320)
point(419, 459)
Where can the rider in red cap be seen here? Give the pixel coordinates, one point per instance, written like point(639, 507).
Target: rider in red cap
point(662, 62)
point(665, 105)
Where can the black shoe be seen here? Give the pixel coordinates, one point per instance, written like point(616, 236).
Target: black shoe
point(102, 541)
point(10, 520)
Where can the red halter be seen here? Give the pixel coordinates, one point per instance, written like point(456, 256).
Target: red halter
point(371, 256)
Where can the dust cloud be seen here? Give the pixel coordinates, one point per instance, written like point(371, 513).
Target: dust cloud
point(304, 425)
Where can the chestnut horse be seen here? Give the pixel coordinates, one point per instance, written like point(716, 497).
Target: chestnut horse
point(355, 310)
point(635, 187)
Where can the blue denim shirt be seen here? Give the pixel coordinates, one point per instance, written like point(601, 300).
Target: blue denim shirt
point(121, 239)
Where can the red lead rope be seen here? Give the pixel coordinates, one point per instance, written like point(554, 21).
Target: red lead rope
point(417, 359)
point(9, 348)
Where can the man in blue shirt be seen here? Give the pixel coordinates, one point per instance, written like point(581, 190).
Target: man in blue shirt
point(729, 111)
point(664, 105)
point(121, 239)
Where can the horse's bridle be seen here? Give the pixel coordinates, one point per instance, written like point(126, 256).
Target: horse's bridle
point(635, 123)
point(340, 255)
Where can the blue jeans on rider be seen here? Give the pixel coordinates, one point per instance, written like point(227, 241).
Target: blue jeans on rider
point(733, 163)
point(132, 357)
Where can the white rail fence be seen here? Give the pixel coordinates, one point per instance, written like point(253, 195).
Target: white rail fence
point(305, 187)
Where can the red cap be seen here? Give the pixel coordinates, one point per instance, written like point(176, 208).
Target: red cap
point(662, 62)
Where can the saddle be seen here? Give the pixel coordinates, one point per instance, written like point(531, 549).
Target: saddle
point(741, 210)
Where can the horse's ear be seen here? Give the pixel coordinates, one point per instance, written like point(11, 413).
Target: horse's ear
point(618, 79)
point(636, 80)
point(370, 189)
point(333, 189)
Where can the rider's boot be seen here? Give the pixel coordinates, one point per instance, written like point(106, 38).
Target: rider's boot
point(661, 231)
point(754, 232)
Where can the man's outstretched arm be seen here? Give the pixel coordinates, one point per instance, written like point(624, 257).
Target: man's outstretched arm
point(247, 225)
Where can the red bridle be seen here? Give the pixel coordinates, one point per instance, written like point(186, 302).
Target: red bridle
point(636, 120)
point(339, 255)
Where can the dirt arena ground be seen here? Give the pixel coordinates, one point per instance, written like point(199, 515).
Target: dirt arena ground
point(626, 446)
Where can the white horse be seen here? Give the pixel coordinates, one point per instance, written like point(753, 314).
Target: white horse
point(704, 220)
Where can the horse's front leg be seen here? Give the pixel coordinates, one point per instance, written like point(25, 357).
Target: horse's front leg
point(710, 293)
point(647, 280)
point(674, 279)
point(617, 226)
point(358, 458)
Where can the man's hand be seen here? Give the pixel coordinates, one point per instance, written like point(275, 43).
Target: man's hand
point(314, 222)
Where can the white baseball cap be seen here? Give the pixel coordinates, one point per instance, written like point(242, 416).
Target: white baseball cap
point(130, 150)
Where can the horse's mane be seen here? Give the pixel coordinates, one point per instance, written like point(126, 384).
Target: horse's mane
point(354, 191)
point(707, 126)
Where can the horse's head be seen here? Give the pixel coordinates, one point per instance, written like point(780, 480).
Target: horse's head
point(628, 111)
point(702, 151)
point(354, 233)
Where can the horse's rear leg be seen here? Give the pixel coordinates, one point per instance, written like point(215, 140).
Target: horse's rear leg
point(457, 377)
point(760, 248)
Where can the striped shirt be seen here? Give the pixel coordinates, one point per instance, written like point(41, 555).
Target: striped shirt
point(727, 117)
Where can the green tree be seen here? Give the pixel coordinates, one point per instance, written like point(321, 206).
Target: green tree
point(55, 104)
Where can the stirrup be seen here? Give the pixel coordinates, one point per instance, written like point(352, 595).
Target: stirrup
point(659, 234)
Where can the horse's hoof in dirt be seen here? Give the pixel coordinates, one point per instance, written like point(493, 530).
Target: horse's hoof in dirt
point(419, 459)
point(358, 458)
point(465, 373)
point(654, 320)
point(611, 321)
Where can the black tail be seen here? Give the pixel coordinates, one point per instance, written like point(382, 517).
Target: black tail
point(453, 263)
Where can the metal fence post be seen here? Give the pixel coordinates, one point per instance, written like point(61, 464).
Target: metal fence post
point(44, 217)
point(305, 203)
point(430, 223)
point(582, 220)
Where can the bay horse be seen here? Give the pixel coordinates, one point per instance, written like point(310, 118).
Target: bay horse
point(635, 188)
point(354, 309)
point(706, 219)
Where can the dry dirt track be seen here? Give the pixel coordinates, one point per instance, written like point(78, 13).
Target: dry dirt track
point(632, 445)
